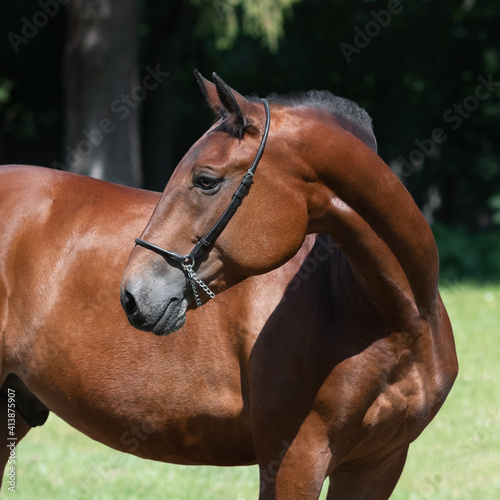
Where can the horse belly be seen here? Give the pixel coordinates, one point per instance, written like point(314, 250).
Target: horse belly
point(206, 434)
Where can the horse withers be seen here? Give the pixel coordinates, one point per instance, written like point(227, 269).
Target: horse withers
point(358, 356)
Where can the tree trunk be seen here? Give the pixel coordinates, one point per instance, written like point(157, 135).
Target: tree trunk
point(103, 94)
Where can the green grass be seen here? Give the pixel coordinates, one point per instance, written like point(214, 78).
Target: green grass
point(457, 456)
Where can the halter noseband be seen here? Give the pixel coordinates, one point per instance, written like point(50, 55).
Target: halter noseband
point(187, 261)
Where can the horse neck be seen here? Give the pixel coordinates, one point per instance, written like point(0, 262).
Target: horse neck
point(374, 221)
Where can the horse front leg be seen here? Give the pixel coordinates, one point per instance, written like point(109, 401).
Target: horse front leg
point(293, 466)
point(375, 480)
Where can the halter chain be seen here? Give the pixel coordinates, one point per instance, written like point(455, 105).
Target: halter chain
point(195, 279)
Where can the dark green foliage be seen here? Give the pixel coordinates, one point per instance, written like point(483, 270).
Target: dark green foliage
point(466, 256)
point(30, 82)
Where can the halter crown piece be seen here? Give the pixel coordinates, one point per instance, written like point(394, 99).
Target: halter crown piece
point(188, 261)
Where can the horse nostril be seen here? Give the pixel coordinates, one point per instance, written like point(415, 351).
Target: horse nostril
point(132, 308)
point(129, 304)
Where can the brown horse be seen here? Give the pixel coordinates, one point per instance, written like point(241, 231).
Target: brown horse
point(357, 358)
point(327, 364)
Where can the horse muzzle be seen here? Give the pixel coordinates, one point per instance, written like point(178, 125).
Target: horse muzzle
point(154, 306)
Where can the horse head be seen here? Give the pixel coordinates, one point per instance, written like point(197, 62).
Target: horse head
point(266, 230)
point(319, 173)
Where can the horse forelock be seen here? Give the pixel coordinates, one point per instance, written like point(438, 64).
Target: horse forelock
point(230, 126)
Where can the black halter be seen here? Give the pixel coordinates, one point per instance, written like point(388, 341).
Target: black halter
point(187, 261)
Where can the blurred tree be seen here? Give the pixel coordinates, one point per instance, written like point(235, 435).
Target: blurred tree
point(260, 19)
point(103, 92)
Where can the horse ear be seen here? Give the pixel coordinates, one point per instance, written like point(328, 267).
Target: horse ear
point(228, 104)
point(210, 92)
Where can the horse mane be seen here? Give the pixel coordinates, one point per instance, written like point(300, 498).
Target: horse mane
point(350, 115)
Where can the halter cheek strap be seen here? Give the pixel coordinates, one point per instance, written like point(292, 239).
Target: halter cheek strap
point(187, 261)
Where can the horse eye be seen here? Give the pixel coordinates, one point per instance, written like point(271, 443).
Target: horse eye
point(207, 183)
